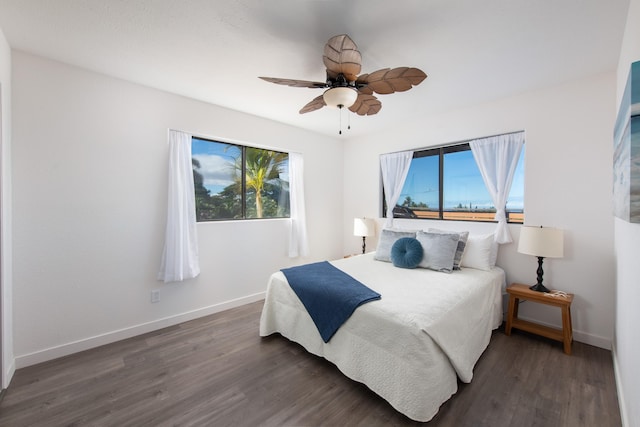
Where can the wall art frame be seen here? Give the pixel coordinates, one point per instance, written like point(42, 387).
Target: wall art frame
point(626, 151)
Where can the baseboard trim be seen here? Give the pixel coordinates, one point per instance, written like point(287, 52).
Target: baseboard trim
point(619, 389)
point(594, 340)
point(110, 337)
point(8, 375)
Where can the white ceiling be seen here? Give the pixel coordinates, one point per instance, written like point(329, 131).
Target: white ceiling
point(473, 51)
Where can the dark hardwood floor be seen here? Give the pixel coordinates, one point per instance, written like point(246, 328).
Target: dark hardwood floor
point(217, 371)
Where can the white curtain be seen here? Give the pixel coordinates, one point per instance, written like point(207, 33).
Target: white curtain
point(395, 167)
point(298, 244)
point(497, 158)
point(180, 255)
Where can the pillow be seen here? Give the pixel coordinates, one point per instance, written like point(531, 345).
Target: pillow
point(478, 252)
point(462, 243)
point(406, 252)
point(439, 250)
point(387, 238)
point(494, 253)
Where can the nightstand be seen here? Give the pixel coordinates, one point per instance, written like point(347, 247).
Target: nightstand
point(519, 292)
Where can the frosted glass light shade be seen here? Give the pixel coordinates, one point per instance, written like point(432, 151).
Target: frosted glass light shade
point(340, 96)
point(364, 227)
point(543, 242)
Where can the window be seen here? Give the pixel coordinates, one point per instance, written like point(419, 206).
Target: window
point(445, 183)
point(237, 182)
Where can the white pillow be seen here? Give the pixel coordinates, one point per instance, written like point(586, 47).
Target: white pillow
point(478, 252)
point(494, 253)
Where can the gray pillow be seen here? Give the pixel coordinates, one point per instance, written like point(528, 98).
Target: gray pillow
point(462, 243)
point(387, 238)
point(439, 250)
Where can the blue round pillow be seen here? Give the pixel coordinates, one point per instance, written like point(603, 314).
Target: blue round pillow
point(406, 252)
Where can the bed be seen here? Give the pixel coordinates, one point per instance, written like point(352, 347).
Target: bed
point(428, 329)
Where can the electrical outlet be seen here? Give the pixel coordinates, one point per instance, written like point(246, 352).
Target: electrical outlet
point(155, 295)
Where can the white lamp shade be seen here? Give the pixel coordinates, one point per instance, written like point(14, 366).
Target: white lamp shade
point(544, 242)
point(337, 96)
point(364, 227)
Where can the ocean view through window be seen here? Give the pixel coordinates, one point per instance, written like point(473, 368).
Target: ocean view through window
point(445, 183)
point(233, 181)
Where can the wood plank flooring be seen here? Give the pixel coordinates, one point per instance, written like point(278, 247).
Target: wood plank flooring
point(217, 371)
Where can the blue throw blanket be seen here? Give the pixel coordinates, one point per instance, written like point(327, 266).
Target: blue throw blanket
point(329, 294)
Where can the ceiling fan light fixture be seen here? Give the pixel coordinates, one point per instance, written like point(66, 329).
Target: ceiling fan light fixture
point(340, 97)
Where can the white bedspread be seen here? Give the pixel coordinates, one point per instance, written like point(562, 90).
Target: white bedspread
point(410, 345)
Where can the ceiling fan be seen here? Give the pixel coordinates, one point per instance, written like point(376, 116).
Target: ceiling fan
point(345, 88)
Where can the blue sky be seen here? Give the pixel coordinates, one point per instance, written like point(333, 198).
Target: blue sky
point(216, 163)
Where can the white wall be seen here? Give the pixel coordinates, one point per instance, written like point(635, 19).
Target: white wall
point(568, 183)
point(627, 241)
point(6, 285)
point(90, 172)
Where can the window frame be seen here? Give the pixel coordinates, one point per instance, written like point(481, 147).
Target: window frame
point(243, 179)
point(441, 151)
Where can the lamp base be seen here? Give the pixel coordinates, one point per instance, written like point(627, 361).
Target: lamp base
point(539, 287)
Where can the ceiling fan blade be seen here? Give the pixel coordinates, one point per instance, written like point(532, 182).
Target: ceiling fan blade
point(316, 104)
point(341, 56)
point(388, 81)
point(362, 84)
point(295, 83)
point(366, 105)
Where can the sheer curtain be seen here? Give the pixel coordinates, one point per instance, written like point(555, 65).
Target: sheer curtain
point(395, 167)
point(497, 158)
point(180, 255)
point(298, 243)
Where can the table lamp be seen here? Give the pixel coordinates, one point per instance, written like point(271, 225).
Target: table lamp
point(364, 227)
point(543, 242)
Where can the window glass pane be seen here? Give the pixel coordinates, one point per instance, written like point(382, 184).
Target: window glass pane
point(465, 195)
point(217, 184)
point(420, 195)
point(267, 183)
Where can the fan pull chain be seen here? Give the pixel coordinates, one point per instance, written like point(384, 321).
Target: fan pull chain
point(348, 119)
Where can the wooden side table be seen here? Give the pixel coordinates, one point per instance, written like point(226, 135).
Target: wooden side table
point(519, 292)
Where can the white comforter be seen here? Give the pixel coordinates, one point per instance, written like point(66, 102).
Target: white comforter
point(410, 345)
